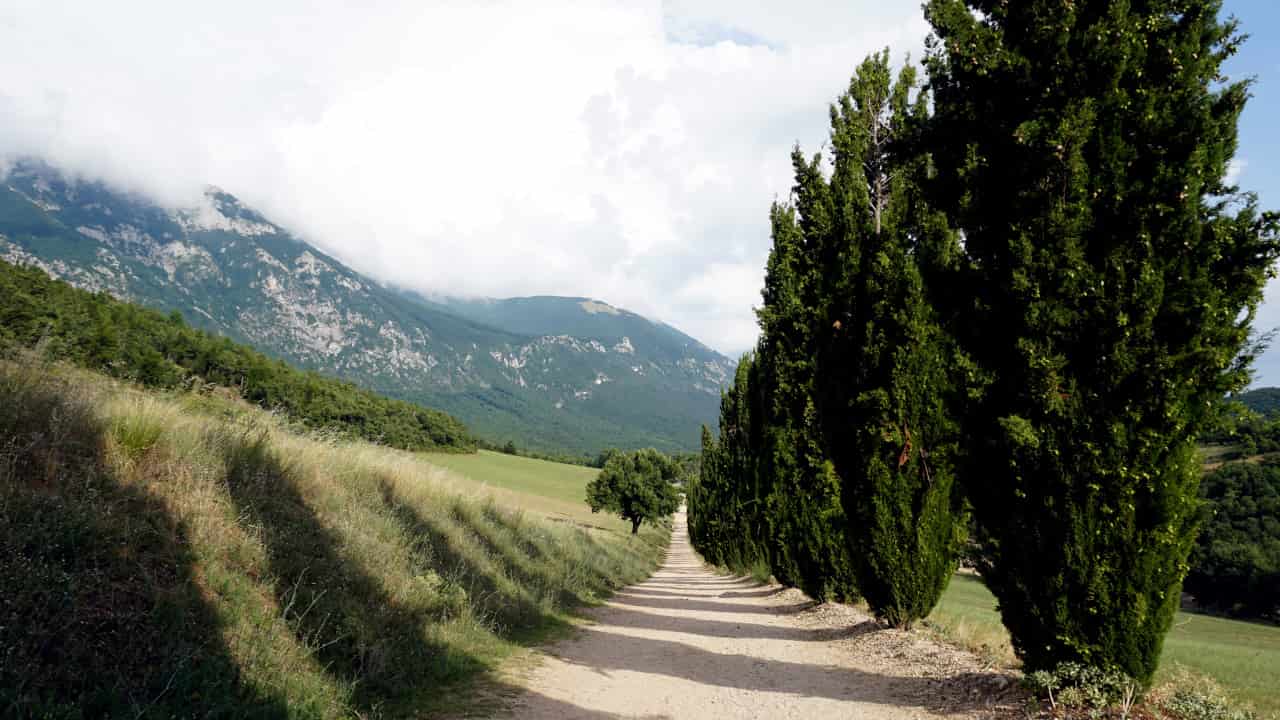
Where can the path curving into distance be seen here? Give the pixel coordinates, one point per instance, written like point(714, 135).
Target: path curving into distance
point(688, 643)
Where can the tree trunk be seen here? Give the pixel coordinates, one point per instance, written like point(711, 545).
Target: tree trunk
point(635, 525)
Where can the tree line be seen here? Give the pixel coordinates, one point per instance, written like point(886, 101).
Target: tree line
point(1008, 297)
point(1235, 566)
point(127, 341)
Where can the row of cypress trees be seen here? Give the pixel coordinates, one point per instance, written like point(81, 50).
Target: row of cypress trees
point(1017, 292)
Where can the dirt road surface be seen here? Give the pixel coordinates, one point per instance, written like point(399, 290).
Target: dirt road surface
point(688, 643)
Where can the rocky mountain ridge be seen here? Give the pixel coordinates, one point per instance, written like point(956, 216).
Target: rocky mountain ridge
point(551, 373)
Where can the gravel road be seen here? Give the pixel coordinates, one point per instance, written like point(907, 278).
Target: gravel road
point(689, 643)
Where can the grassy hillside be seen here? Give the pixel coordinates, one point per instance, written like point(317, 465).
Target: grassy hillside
point(1243, 657)
point(182, 555)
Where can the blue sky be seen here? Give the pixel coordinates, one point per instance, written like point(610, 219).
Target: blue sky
point(1259, 151)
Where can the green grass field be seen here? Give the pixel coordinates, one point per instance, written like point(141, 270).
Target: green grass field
point(1243, 657)
point(550, 480)
point(554, 490)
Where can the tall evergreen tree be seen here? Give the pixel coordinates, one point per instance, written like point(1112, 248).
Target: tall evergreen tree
point(725, 512)
point(804, 524)
point(882, 362)
point(1083, 148)
point(697, 498)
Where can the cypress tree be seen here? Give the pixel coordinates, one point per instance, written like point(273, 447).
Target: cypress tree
point(725, 512)
point(882, 364)
point(696, 494)
point(1113, 275)
point(804, 525)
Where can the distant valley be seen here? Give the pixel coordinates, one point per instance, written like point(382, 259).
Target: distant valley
point(554, 374)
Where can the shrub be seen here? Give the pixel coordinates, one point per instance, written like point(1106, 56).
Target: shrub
point(1194, 705)
point(1075, 685)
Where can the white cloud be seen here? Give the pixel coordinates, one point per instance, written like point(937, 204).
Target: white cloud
point(627, 151)
point(1235, 169)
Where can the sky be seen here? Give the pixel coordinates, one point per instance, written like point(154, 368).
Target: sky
point(623, 151)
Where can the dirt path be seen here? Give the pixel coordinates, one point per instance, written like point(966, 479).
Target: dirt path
point(688, 643)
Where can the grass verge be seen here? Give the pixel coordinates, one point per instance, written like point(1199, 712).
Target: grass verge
point(171, 555)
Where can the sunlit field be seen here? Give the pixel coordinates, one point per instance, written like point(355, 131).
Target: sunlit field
point(1243, 657)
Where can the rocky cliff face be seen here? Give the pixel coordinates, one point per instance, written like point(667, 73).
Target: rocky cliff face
point(551, 373)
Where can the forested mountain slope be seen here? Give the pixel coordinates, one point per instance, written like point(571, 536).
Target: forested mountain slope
point(561, 374)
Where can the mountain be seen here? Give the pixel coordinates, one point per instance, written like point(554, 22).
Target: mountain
point(550, 373)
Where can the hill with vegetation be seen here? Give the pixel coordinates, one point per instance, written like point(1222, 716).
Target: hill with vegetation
point(1235, 567)
point(1264, 401)
point(550, 374)
point(178, 554)
point(131, 342)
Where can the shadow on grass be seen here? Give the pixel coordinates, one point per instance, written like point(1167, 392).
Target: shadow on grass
point(533, 565)
point(513, 613)
point(100, 578)
point(333, 606)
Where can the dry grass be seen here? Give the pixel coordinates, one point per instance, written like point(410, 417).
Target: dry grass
point(184, 555)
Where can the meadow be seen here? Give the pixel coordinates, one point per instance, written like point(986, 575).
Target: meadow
point(177, 554)
point(555, 490)
point(1242, 657)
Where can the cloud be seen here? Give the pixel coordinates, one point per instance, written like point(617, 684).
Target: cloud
point(1235, 169)
point(627, 151)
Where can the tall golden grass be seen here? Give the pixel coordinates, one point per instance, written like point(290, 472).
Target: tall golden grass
point(180, 555)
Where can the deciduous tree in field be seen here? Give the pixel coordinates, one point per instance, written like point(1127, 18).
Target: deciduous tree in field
point(1112, 275)
point(636, 486)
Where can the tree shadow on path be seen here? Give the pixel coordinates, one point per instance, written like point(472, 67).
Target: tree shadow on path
point(620, 616)
point(606, 652)
point(709, 605)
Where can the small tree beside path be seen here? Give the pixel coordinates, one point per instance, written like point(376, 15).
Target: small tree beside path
point(636, 486)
